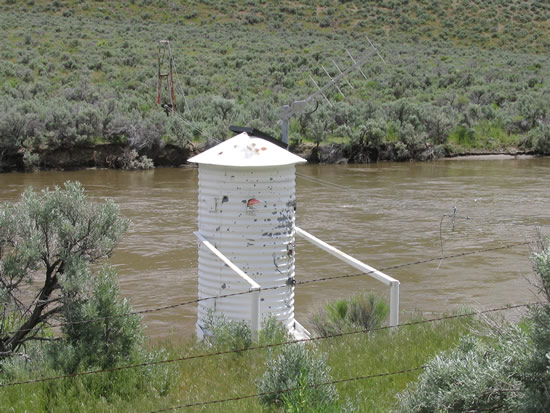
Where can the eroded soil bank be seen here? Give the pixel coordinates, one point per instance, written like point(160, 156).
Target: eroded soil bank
point(119, 156)
point(111, 156)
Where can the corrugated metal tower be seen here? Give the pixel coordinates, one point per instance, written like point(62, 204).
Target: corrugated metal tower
point(246, 219)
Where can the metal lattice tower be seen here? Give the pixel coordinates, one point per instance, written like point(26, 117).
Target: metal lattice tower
point(164, 51)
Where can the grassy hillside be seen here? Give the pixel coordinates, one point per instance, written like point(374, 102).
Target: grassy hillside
point(460, 75)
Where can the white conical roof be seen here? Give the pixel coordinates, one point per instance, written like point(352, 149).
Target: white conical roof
point(246, 151)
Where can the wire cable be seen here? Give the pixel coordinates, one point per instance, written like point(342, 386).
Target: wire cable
point(180, 87)
point(304, 282)
point(397, 266)
point(321, 182)
point(266, 346)
point(310, 386)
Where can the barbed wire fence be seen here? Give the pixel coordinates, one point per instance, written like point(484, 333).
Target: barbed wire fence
point(284, 343)
point(298, 283)
point(270, 345)
point(310, 386)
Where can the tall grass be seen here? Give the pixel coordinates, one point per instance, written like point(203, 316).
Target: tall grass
point(358, 312)
point(237, 374)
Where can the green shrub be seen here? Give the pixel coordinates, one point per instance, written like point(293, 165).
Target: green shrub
point(302, 370)
point(54, 237)
point(507, 371)
point(131, 161)
point(61, 234)
point(537, 374)
point(273, 332)
point(31, 160)
point(475, 376)
point(540, 138)
point(358, 312)
point(463, 136)
point(113, 337)
point(227, 334)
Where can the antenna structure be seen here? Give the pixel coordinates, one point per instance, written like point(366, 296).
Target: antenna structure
point(163, 49)
point(330, 77)
point(298, 107)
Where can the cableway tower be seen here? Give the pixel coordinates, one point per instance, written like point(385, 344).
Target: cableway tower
point(166, 73)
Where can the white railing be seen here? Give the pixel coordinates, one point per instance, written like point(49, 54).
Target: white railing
point(380, 276)
point(254, 286)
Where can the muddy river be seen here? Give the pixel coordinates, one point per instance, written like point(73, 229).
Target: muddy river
point(384, 214)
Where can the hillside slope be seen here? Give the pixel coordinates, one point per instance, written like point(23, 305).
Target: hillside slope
point(459, 74)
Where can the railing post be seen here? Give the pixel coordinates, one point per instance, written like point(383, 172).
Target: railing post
point(255, 312)
point(394, 303)
point(255, 316)
point(380, 276)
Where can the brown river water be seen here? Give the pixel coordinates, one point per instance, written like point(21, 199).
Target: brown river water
point(383, 214)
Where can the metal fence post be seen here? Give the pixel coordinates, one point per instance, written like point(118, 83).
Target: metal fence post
point(373, 272)
point(255, 312)
point(394, 303)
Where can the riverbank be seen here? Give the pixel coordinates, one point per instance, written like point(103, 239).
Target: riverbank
point(63, 88)
point(107, 156)
point(120, 156)
point(343, 154)
point(493, 156)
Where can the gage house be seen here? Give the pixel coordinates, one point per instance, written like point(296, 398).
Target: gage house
point(246, 232)
point(247, 206)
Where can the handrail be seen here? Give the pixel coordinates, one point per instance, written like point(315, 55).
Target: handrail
point(254, 286)
point(367, 269)
point(226, 261)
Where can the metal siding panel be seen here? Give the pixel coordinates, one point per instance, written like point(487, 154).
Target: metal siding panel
point(249, 215)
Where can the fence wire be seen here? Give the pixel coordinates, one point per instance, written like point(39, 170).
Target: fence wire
point(310, 386)
point(304, 282)
point(266, 346)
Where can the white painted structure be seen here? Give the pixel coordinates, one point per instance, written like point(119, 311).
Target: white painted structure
point(247, 202)
point(367, 269)
point(247, 206)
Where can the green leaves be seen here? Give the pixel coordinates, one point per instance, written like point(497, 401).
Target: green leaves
point(358, 312)
point(62, 223)
point(101, 330)
point(297, 368)
point(49, 239)
point(475, 376)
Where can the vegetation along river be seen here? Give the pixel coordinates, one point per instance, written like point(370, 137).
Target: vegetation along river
point(383, 214)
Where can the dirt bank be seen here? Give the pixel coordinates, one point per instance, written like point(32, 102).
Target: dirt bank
point(111, 156)
point(115, 156)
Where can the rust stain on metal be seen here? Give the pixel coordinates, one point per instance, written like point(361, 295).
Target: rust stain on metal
point(252, 201)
